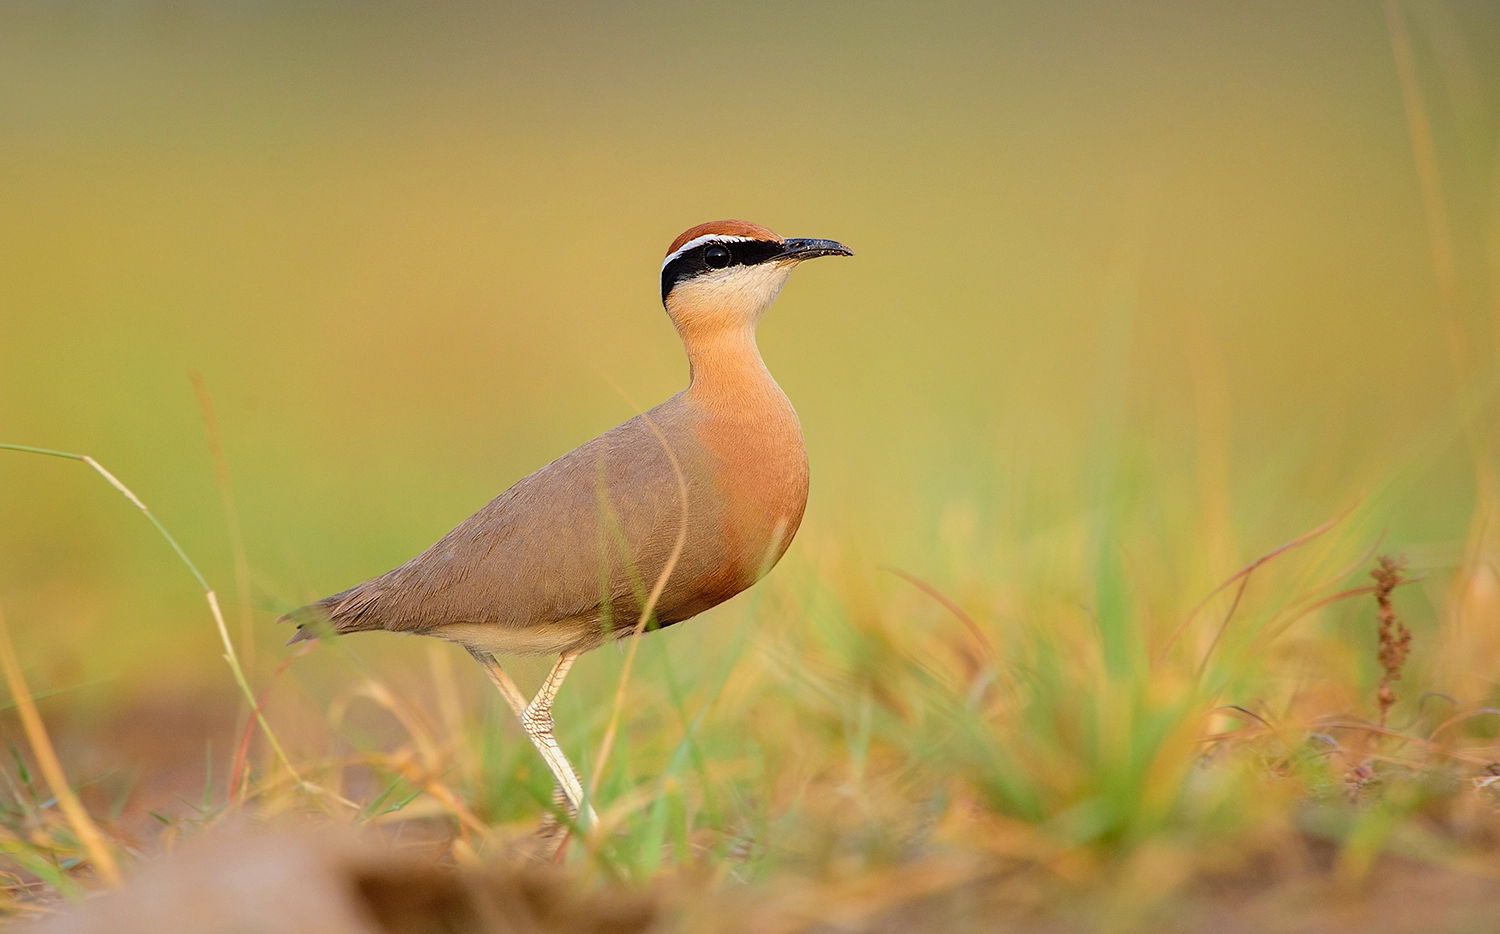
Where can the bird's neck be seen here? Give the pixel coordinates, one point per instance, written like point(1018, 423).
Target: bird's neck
point(726, 370)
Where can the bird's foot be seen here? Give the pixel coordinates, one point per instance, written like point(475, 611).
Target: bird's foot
point(553, 831)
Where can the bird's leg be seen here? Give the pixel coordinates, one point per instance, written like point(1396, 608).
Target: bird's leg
point(502, 681)
point(517, 703)
point(536, 720)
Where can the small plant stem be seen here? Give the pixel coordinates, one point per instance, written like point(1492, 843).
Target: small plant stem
point(1394, 638)
point(46, 758)
point(208, 592)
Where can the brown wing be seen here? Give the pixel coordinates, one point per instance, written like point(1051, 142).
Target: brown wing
point(591, 529)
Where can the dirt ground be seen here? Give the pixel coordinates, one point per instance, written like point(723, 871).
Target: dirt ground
point(243, 878)
point(305, 876)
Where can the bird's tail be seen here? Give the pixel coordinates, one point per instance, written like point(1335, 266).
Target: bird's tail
point(303, 633)
point(316, 619)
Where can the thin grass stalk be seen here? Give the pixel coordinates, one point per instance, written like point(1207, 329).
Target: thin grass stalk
point(607, 744)
point(1429, 177)
point(1439, 226)
point(1302, 611)
point(239, 771)
point(427, 773)
point(231, 519)
point(1239, 595)
point(1245, 571)
point(83, 825)
point(1459, 718)
point(1334, 722)
point(450, 708)
point(208, 593)
point(951, 606)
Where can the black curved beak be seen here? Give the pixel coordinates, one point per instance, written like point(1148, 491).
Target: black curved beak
point(798, 249)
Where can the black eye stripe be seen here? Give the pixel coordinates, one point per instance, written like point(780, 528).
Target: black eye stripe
point(695, 261)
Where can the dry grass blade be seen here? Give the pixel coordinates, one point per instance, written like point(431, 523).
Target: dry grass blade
point(425, 773)
point(1302, 611)
point(46, 757)
point(1343, 723)
point(450, 708)
point(1239, 594)
point(213, 600)
point(1245, 571)
point(1424, 151)
point(231, 519)
point(1246, 712)
point(1460, 718)
point(1349, 568)
point(949, 605)
point(239, 772)
point(607, 744)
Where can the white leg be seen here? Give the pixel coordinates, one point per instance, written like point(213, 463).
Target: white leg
point(536, 720)
point(502, 681)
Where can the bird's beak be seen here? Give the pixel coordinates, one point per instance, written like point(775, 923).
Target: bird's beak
point(798, 249)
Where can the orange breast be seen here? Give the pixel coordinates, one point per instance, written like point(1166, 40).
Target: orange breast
point(761, 477)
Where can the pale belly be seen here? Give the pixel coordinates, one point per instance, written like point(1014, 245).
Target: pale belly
point(550, 638)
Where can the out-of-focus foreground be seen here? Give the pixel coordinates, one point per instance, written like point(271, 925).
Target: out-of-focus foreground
point(1144, 293)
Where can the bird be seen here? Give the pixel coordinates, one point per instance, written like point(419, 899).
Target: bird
point(658, 519)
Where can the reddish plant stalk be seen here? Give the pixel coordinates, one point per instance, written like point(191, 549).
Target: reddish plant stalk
point(1395, 638)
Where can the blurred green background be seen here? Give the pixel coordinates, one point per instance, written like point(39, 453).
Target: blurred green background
point(413, 253)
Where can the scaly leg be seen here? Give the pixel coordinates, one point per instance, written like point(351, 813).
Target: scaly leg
point(536, 720)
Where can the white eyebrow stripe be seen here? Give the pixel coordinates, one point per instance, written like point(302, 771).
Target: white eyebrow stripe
point(699, 241)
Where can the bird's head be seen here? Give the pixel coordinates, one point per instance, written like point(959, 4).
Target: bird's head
point(727, 273)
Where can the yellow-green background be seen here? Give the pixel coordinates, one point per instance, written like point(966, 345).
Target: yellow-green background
point(412, 249)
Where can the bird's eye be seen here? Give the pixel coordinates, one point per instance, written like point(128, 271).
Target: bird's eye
point(716, 257)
